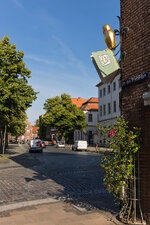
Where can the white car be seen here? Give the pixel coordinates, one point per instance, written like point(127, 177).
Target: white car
point(79, 145)
point(60, 144)
point(35, 145)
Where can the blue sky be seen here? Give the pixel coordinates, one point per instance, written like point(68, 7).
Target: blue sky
point(57, 37)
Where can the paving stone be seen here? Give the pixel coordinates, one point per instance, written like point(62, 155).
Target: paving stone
point(74, 177)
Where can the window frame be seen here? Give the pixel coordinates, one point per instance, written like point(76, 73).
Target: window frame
point(101, 110)
point(100, 93)
point(114, 107)
point(109, 108)
point(114, 86)
point(90, 117)
point(104, 110)
point(109, 89)
point(104, 91)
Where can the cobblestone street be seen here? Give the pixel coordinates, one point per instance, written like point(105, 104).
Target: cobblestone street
point(75, 177)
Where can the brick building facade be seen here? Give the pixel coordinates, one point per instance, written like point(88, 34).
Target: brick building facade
point(31, 132)
point(135, 14)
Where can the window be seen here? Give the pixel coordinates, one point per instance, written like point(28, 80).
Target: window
point(90, 137)
point(109, 108)
point(114, 86)
point(108, 89)
point(101, 110)
point(104, 110)
point(78, 135)
point(90, 133)
point(104, 91)
point(100, 93)
point(114, 106)
point(90, 118)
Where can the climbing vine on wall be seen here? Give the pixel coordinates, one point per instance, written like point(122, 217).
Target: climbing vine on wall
point(118, 163)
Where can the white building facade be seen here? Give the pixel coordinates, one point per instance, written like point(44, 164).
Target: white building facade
point(90, 108)
point(108, 110)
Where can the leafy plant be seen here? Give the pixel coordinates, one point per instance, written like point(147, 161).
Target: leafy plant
point(118, 164)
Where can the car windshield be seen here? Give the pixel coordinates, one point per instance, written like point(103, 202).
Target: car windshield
point(61, 142)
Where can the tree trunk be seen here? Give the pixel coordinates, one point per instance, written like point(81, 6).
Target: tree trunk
point(4, 139)
point(6, 144)
point(1, 140)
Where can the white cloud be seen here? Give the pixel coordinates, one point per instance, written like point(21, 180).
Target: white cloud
point(18, 3)
point(39, 59)
point(49, 19)
point(72, 59)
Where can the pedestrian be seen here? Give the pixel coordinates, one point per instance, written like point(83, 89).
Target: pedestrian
point(96, 147)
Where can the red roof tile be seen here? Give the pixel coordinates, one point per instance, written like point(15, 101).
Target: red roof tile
point(78, 101)
point(93, 100)
point(90, 106)
point(86, 104)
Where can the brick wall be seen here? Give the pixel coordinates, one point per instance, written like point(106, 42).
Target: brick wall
point(135, 14)
point(28, 131)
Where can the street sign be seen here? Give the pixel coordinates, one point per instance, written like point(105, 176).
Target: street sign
point(106, 65)
point(136, 79)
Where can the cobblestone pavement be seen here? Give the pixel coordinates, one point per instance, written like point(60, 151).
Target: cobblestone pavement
point(75, 177)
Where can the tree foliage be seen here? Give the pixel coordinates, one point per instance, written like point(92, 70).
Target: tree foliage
point(16, 95)
point(37, 123)
point(62, 114)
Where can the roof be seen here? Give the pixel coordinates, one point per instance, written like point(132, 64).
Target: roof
point(86, 104)
point(94, 100)
point(78, 101)
point(99, 84)
point(90, 106)
point(35, 129)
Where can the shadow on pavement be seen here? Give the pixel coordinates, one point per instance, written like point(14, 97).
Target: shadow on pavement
point(11, 149)
point(78, 175)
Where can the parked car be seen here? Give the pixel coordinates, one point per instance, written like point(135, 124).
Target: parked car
point(46, 143)
point(35, 145)
point(79, 145)
point(60, 144)
point(43, 144)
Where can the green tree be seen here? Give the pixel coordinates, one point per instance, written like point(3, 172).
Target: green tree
point(17, 125)
point(42, 133)
point(63, 115)
point(37, 123)
point(16, 95)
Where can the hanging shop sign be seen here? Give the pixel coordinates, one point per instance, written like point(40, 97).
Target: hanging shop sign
point(136, 79)
point(106, 65)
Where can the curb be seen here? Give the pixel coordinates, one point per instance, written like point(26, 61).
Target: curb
point(27, 203)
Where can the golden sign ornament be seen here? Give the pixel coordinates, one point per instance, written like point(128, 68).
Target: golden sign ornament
point(109, 37)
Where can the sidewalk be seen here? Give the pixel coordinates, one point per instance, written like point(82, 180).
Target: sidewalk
point(55, 213)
